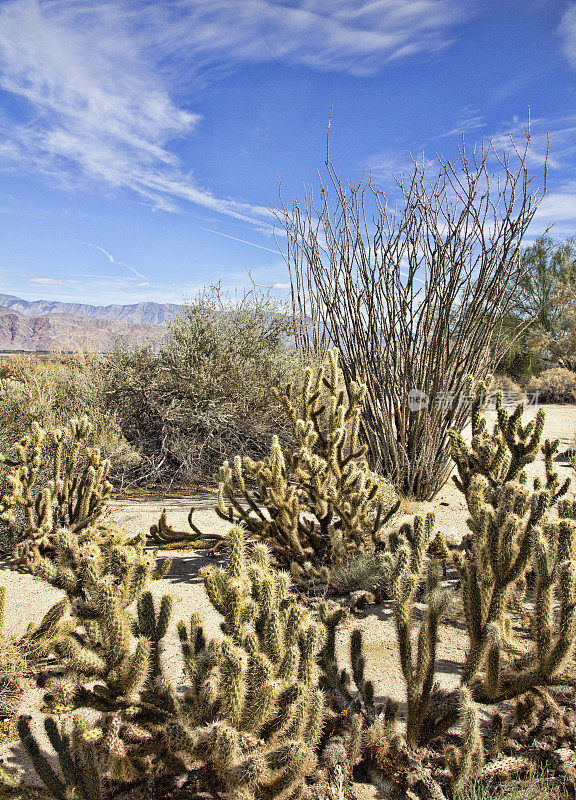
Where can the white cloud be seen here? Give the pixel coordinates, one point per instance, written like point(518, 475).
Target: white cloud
point(112, 260)
point(52, 281)
point(557, 213)
point(388, 166)
point(356, 36)
point(557, 133)
point(567, 32)
point(552, 139)
point(98, 111)
point(100, 76)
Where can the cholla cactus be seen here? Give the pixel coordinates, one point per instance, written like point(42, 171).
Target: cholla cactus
point(80, 777)
point(316, 506)
point(254, 710)
point(512, 531)
point(366, 727)
point(95, 641)
point(73, 497)
point(466, 763)
point(253, 713)
point(407, 568)
point(501, 456)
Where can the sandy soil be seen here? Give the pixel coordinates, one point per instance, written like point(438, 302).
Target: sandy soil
point(28, 598)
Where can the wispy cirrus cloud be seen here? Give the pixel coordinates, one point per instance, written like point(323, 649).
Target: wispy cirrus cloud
point(567, 31)
point(113, 260)
point(552, 141)
point(52, 281)
point(470, 119)
point(387, 166)
point(97, 111)
point(103, 84)
point(354, 36)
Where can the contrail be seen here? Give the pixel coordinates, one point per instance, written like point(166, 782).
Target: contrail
point(241, 240)
point(112, 260)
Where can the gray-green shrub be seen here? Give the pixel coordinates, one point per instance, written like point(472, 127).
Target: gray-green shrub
point(50, 390)
point(205, 395)
point(554, 386)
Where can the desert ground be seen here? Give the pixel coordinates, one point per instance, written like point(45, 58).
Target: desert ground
point(28, 598)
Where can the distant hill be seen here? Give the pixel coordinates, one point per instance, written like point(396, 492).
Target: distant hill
point(141, 313)
point(70, 332)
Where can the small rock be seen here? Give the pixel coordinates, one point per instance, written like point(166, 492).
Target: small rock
point(360, 599)
point(565, 755)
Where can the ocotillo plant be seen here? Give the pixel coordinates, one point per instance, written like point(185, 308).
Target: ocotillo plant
point(74, 496)
point(317, 505)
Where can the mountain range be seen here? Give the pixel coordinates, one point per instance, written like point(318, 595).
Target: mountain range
point(46, 325)
point(144, 313)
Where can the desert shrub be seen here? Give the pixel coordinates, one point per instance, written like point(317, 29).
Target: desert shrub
point(205, 395)
point(50, 391)
point(315, 505)
point(362, 572)
point(543, 307)
point(555, 386)
point(521, 362)
point(505, 384)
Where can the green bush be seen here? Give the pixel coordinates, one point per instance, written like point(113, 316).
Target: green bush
point(204, 396)
point(363, 571)
point(509, 388)
point(555, 386)
point(50, 391)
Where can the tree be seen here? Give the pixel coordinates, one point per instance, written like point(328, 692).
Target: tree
point(413, 296)
point(545, 303)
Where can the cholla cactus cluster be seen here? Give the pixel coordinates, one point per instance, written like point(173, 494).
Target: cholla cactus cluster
point(319, 504)
point(254, 709)
point(252, 717)
point(74, 496)
point(267, 712)
point(514, 531)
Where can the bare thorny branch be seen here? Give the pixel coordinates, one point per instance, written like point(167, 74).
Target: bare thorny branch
point(412, 296)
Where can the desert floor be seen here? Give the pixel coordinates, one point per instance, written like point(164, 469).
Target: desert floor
point(28, 598)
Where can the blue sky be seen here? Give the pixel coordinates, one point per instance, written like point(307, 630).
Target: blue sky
point(140, 139)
